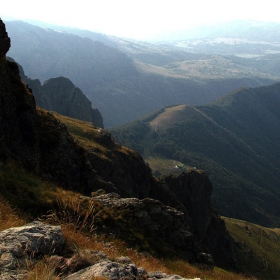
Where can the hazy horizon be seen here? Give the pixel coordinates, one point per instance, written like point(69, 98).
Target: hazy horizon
point(139, 20)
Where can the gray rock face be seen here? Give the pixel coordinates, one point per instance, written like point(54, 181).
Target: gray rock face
point(34, 238)
point(27, 242)
point(122, 268)
point(165, 223)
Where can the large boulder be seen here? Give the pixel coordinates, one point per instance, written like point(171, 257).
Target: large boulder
point(121, 268)
point(21, 244)
point(164, 225)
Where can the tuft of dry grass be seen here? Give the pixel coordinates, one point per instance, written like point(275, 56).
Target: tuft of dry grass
point(115, 248)
point(41, 271)
point(8, 216)
point(77, 221)
point(76, 215)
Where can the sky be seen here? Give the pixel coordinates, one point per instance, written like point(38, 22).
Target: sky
point(139, 19)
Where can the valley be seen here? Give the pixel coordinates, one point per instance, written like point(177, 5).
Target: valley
point(234, 139)
point(126, 79)
point(183, 179)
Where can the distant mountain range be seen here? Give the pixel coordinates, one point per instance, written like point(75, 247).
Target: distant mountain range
point(127, 79)
point(235, 139)
point(236, 35)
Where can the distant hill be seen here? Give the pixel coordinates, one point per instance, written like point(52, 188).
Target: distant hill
point(233, 37)
point(133, 80)
point(234, 139)
point(58, 169)
point(38, 147)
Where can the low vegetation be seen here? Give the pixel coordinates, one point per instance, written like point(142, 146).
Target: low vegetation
point(230, 139)
point(79, 220)
point(257, 248)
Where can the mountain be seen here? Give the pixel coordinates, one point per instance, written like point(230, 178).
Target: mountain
point(239, 37)
point(235, 139)
point(62, 96)
point(67, 172)
point(37, 147)
point(133, 80)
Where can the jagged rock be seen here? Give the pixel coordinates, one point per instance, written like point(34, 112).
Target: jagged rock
point(193, 189)
point(34, 238)
point(165, 223)
point(108, 269)
point(35, 139)
point(39, 142)
point(62, 96)
point(27, 242)
point(5, 42)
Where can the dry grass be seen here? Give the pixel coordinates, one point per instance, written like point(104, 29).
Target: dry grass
point(8, 216)
point(41, 271)
point(115, 248)
point(77, 222)
point(76, 215)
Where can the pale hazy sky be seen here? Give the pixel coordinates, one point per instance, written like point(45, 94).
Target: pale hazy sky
point(139, 19)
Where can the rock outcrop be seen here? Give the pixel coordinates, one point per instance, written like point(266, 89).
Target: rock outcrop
point(29, 243)
point(165, 225)
point(39, 142)
point(5, 40)
point(122, 268)
point(34, 138)
point(62, 96)
point(193, 189)
point(19, 244)
point(18, 118)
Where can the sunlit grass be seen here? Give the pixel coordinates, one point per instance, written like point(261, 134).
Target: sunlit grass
point(77, 217)
point(257, 248)
point(8, 216)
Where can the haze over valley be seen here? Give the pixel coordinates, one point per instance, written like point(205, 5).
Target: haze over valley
point(160, 143)
point(127, 79)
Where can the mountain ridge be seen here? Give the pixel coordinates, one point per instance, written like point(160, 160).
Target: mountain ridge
point(88, 160)
point(111, 78)
point(234, 139)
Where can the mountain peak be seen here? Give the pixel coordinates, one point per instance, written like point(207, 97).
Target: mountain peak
point(5, 42)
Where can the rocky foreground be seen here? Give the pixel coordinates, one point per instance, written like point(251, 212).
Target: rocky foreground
point(20, 246)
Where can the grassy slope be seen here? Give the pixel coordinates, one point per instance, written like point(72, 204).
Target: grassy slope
point(262, 252)
point(257, 248)
point(65, 208)
point(244, 172)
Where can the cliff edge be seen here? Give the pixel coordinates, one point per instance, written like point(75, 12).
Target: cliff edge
point(39, 142)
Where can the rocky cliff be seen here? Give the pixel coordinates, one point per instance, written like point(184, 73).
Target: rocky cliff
point(193, 189)
point(20, 244)
point(62, 96)
point(39, 142)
